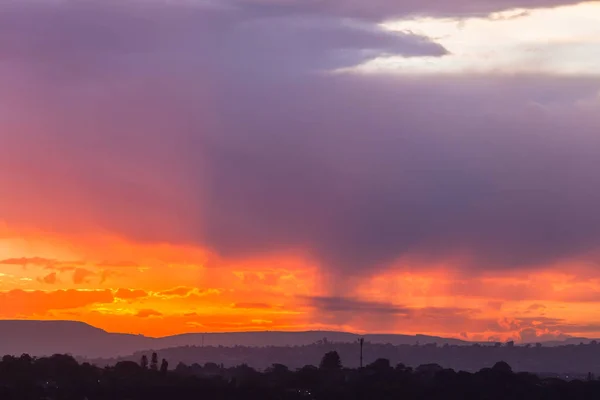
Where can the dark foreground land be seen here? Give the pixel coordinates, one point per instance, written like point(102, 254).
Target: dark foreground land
point(62, 377)
point(572, 360)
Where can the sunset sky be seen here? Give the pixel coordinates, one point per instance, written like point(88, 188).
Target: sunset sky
point(368, 166)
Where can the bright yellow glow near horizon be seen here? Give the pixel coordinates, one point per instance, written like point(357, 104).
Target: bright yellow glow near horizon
point(103, 283)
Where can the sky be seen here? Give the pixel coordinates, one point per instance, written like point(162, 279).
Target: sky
point(385, 166)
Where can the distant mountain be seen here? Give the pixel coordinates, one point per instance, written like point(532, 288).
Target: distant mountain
point(274, 338)
point(40, 338)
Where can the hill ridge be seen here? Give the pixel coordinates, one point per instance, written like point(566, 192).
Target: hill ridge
point(46, 337)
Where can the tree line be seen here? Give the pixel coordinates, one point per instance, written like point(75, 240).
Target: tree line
point(570, 359)
point(63, 377)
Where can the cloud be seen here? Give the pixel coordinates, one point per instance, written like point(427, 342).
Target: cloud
point(181, 291)
point(25, 261)
point(340, 304)
point(187, 292)
point(254, 306)
point(50, 279)
point(425, 181)
point(130, 294)
point(530, 335)
point(344, 312)
point(387, 9)
point(575, 289)
point(93, 33)
point(211, 128)
point(536, 307)
point(81, 275)
point(528, 42)
point(46, 263)
point(117, 264)
point(148, 314)
point(106, 274)
point(19, 303)
point(539, 329)
point(495, 305)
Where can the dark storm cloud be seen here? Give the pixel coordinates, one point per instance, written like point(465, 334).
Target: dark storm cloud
point(367, 178)
point(89, 37)
point(151, 124)
point(355, 305)
point(389, 316)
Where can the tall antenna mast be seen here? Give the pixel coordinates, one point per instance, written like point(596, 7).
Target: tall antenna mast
point(361, 341)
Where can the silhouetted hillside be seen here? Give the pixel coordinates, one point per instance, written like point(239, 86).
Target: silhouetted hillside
point(39, 338)
point(49, 337)
point(261, 339)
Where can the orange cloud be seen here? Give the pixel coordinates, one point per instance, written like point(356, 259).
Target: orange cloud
point(148, 313)
point(536, 307)
point(46, 263)
point(106, 274)
point(178, 291)
point(21, 303)
point(129, 294)
point(49, 279)
point(117, 264)
point(24, 261)
point(257, 306)
point(81, 275)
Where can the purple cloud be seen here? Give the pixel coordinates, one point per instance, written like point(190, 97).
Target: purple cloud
point(98, 37)
point(149, 123)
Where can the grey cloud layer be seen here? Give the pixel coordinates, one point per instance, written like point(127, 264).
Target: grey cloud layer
point(181, 126)
point(89, 34)
point(387, 9)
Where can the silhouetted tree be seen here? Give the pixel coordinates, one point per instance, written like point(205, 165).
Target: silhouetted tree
point(403, 368)
point(431, 369)
point(277, 369)
point(144, 362)
point(212, 368)
point(26, 359)
point(381, 365)
point(164, 366)
point(154, 362)
point(502, 366)
point(331, 361)
point(308, 376)
point(127, 369)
